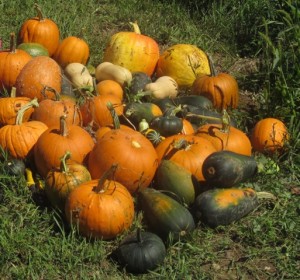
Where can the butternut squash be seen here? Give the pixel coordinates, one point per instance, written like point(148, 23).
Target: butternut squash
point(163, 87)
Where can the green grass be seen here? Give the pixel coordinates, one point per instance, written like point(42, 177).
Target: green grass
point(36, 243)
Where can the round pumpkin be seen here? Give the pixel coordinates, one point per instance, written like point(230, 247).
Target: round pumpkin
point(269, 135)
point(188, 151)
point(39, 78)
point(40, 30)
point(183, 62)
point(230, 139)
point(133, 50)
point(131, 151)
point(100, 209)
point(33, 49)
point(107, 87)
point(72, 49)
point(12, 62)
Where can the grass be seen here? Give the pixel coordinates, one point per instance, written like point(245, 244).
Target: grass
point(36, 243)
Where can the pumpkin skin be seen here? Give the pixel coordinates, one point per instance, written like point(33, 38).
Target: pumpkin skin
point(183, 62)
point(223, 206)
point(12, 62)
point(131, 151)
point(225, 169)
point(72, 49)
point(59, 182)
point(39, 78)
point(234, 140)
point(269, 135)
point(40, 30)
point(164, 215)
point(107, 87)
point(140, 252)
point(132, 50)
point(221, 89)
point(167, 125)
point(100, 210)
point(72, 138)
point(188, 151)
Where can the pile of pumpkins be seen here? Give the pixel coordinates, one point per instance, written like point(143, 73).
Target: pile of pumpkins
point(145, 130)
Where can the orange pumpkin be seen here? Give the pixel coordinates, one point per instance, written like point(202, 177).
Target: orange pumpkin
point(19, 139)
point(188, 151)
point(100, 209)
point(230, 138)
point(72, 138)
point(72, 49)
point(40, 30)
point(183, 62)
point(107, 87)
point(39, 78)
point(11, 63)
point(269, 135)
point(131, 151)
point(220, 88)
point(59, 182)
point(133, 50)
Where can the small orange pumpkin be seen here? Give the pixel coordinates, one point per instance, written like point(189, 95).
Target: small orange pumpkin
point(107, 87)
point(72, 49)
point(40, 30)
point(100, 208)
point(269, 135)
point(133, 50)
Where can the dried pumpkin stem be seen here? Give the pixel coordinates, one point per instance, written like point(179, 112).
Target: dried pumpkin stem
point(20, 114)
point(108, 174)
point(139, 235)
point(47, 88)
point(63, 126)
point(63, 165)
point(265, 195)
point(12, 45)
point(135, 26)
point(13, 92)
point(116, 121)
point(213, 71)
point(39, 11)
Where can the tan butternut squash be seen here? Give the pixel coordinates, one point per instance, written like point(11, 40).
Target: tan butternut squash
point(163, 87)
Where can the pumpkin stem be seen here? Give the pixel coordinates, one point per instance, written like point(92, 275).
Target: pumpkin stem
point(139, 235)
point(213, 71)
point(265, 195)
point(20, 114)
point(63, 165)
point(63, 126)
point(225, 121)
point(13, 92)
point(108, 173)
point(135, 26)
point(39, 11)
point(12, 45)
point(47, 88)
point(116, 121)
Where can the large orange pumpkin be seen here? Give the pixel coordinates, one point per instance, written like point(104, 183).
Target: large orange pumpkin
point(131, 151)
point(100, 209)
point(72, 49)
point(39, 78)
point(269, 135)
point(183, 62)
point(133, 50)
point(19, 139)
point(54, 143)
point(188, 151)
point(40, 30)
point(11, 63)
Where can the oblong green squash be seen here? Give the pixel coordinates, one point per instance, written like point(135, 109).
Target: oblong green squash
point(164, 215)
point(176, 181)
point(218, 207)
point(34, 49)
point(226, 168)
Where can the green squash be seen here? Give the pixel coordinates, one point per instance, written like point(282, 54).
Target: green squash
point(220, 207)
point(164, 215)
point(226, 169)
point(138, 82)
point(176, 181)
point(167, 125)
point(34, 49)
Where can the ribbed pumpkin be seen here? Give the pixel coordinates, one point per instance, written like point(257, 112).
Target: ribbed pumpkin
point(183, 62)
point(11, 63)
point(72, 138)
point(269, 135)
point(100, 209)
point(131, 151)
point(226, 138)
point(132, 50)
point(49, 111)
point(59, 182)
point(40, 30)
point(39, 78)
point(188, 151)
point(19, 139)
point(72, 49)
